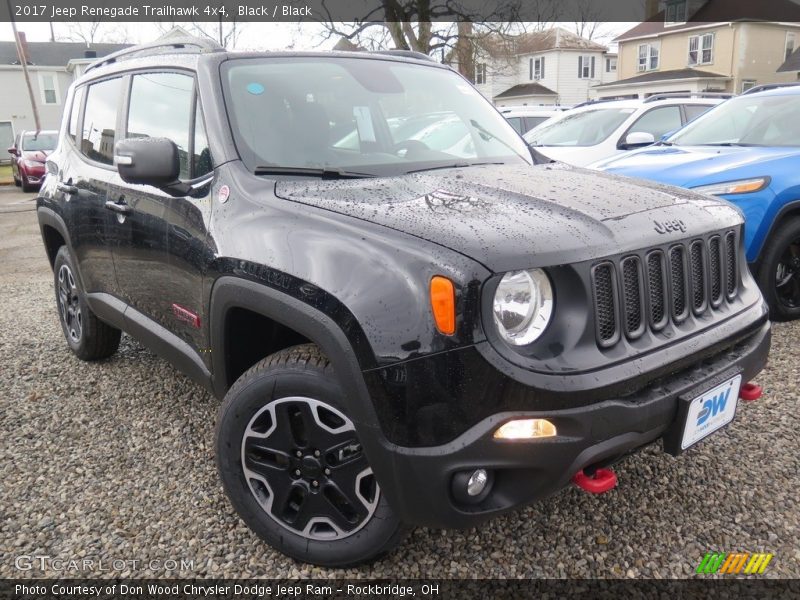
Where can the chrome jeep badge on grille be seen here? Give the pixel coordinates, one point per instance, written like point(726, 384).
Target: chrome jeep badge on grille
point(667, 226)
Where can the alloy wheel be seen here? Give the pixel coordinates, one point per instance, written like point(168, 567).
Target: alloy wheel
point(307, 470)
point(787, 276)
point(69, 304)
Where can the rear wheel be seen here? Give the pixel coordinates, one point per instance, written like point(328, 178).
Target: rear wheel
point(293, 467)
point(88, 337)
point(779, 273)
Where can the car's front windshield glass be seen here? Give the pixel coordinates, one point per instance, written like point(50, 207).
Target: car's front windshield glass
point(374, 117)
point(745, 121)
point(43, 141)
point(581, 128)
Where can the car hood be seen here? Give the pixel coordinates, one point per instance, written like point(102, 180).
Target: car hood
point(37, 155)
point(691, 166)
point(512, 217)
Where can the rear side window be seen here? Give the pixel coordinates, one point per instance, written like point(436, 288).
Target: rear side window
point(695, 110)
point(99, 123)
point(659, 121)
point(161, 106)
point(75, 112)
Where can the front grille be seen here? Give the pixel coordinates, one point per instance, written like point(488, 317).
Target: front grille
point(651, 288)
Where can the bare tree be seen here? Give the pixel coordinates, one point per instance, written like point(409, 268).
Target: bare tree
point(91, 32)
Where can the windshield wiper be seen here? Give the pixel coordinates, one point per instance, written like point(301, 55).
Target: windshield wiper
point(733, 144)
point(324, 173)
point(459, 165)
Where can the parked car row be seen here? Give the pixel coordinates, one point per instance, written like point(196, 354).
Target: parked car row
point(743, 149)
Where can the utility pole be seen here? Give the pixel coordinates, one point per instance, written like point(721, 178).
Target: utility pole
point(23, 60)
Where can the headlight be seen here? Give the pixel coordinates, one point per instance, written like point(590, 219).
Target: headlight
point(32, 164)
point(523, 306)
point(741, 186)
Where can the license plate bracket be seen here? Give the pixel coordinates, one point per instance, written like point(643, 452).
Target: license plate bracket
point(703, 411)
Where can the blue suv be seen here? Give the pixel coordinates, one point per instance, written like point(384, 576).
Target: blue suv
point(747, 151)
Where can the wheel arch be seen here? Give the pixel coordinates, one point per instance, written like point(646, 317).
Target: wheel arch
point(54, 232)
point(789, 210)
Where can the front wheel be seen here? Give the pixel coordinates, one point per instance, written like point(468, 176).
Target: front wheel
point(293, 467)
point(779, 273)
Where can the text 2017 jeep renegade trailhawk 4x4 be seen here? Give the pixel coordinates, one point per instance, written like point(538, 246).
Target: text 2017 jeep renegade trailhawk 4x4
point(409, 321)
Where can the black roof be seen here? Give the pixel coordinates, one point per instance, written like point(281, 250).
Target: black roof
point(666, 76)
point(526, 89)
point(54, 54)
point(792, 63)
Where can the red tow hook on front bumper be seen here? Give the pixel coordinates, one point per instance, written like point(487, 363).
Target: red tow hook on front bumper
point(602, 481)
point(750, 391)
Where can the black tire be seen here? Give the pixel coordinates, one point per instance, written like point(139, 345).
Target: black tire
point(88, 337)
point(260, 400)
point(27, 187)
point(17, 182)
point(779, 272)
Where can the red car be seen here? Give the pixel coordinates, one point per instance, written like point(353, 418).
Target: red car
point(30, 150)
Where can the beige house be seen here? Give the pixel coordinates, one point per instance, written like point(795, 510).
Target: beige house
point(684, 49)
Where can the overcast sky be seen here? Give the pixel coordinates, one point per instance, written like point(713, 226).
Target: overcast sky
point(253, 36)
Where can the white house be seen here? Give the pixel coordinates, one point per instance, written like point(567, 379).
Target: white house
point(548, 67)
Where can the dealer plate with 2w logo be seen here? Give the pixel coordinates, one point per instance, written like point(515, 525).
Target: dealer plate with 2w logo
point(710, 411)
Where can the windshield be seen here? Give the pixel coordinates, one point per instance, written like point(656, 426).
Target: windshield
point(583, 128)
point(745, 121)
point(43, 141)
point(364, 116)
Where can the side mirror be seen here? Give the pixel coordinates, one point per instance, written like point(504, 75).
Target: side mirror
point(637, 139)
point(12, 150)
point(150, 161)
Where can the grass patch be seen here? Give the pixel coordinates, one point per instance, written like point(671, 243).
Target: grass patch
point(5, 172)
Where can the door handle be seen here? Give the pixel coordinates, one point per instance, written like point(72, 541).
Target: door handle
point(118, 207)
point(66, 188)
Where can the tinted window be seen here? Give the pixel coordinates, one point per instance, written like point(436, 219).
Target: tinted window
point(97, 139)
point(658, 121)
point(695, 110)
point(161, 106)
point(77, 98)
point(201, 156)
point(516, 123)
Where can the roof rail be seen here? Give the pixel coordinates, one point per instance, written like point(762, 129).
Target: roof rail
point(406, 54)
point(595, 101)
point(770, 86)
point(178, 45)
point(668, 95)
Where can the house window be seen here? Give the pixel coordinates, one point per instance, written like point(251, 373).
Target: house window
point(701, 49)
point(480, 73)
point(789, 45)
point(537, 68)
point(748, 84)
point(586, 67)
point(611, 65)
point(675, 13)
point(49, 88)
point(648, 57)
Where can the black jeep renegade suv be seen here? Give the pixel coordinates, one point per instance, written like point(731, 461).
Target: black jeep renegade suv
point(409, 321)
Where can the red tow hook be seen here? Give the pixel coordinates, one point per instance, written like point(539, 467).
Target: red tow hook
point(602, 481)
point(750, 391)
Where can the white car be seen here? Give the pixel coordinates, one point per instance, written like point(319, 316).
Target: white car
point(525, 118)
point(599, 130)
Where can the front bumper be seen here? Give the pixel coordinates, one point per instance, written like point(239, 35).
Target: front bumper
point(418, 481)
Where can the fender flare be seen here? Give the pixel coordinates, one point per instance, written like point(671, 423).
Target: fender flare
point(791, 206)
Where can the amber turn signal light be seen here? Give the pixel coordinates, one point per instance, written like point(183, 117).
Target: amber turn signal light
point(443, 304)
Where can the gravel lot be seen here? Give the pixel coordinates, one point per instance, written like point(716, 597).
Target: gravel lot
point(114, 460)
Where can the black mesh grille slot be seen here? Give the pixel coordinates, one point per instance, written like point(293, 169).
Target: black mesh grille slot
point(656, 289)
point(677, 267)
point(632, 297)
point(698, 273)
point(715, 270)
point(731, 269)
point(605, 311)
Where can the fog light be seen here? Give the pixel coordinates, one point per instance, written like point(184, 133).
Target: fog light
point(525, 429)
point(477, 482)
